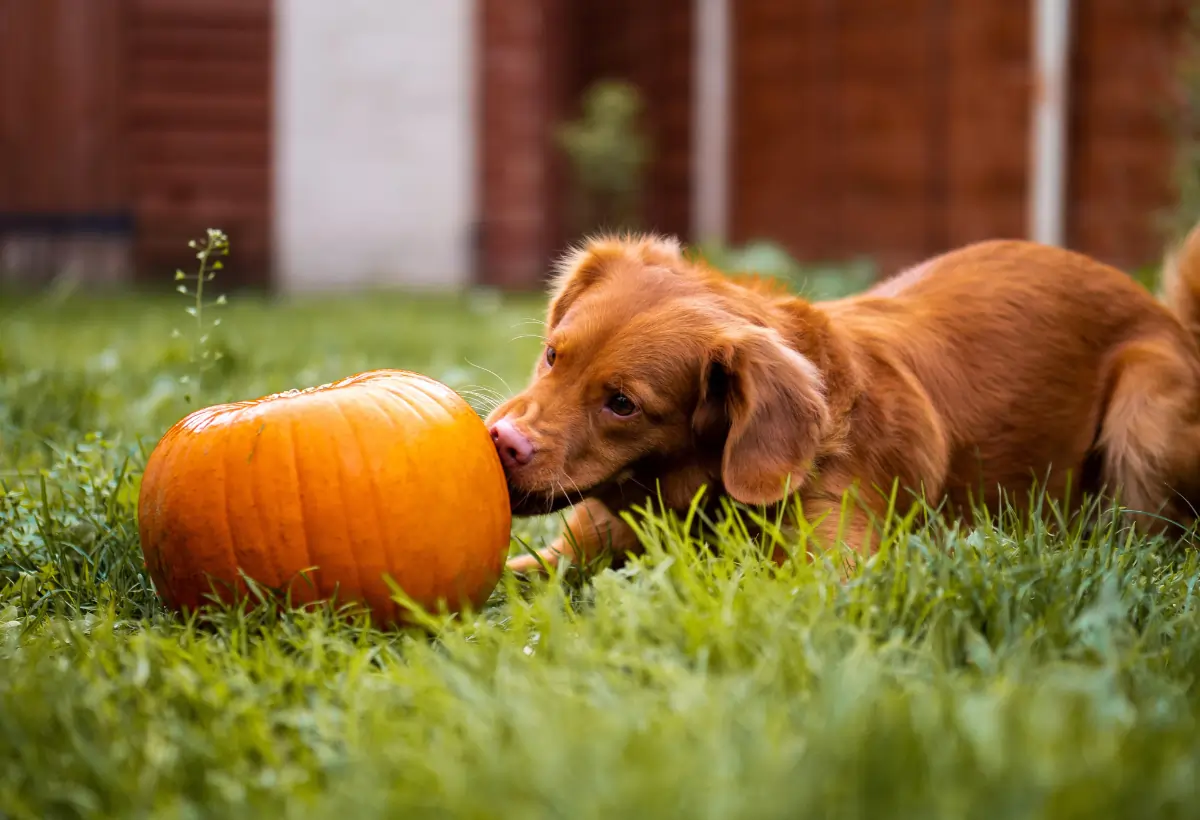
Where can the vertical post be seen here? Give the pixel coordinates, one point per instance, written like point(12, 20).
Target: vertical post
point(711, 64)
point(1048, 161)
point(518, 79)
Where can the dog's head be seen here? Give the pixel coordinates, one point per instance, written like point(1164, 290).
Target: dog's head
point(652, 361)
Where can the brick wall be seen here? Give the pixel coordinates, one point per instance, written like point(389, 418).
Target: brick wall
point(537, 58)
point(649, 45)
point(131, 126)
point(199, 125)
point(900, 130)
point(1119, 179)
point(64, 182)
point(895, 131)
point(521, 97)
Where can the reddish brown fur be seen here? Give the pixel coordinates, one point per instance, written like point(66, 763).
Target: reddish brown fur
point(981, 371)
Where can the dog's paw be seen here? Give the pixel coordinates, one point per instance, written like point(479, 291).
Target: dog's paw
point(528, 564)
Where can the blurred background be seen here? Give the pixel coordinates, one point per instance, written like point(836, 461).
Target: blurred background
point(448, 143)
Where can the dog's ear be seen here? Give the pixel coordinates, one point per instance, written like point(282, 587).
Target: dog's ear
point(772, 399)
point(575, 272)
point(584, 266)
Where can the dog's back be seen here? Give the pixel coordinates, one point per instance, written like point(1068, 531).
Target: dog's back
point(1041, 363)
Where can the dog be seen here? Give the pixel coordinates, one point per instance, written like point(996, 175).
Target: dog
point(977, 375)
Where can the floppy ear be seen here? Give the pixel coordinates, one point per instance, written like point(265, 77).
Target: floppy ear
point(575, 272)
point(773, 399)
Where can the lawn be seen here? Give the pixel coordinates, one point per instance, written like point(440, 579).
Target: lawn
point(1010, 672)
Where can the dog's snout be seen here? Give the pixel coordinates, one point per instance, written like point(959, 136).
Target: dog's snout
point(514, 447)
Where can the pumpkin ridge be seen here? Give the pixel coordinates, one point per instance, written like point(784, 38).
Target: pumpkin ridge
point(269, 545)
point(231, 539)
point(350, 540)
point(437, 394)
point(419, 411)
point(149, 519)
point(377, 506)
point(414, 378)
point(373, 485)
point(291, 450)
point(414, 412)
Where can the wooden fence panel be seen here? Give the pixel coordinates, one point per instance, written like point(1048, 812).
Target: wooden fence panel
point(61, 107)
point(650, 46)
point(894, 130)
point(1119, 177)
point(200, 128)
point(902, 130)
point(64, 186)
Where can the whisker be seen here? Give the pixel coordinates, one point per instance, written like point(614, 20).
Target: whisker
point(643, 486)
point(490, 372)
point(484, 407)
point(578, 491)
point(479, 390)
point(491, 402)
point(562, 490)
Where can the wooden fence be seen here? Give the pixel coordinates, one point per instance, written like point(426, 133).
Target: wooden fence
point(135, 124)
point(901, 129)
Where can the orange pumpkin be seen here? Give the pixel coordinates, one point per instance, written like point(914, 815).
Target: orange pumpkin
point(386, 473)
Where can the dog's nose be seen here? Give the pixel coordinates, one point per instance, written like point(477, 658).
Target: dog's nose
point(514, 447)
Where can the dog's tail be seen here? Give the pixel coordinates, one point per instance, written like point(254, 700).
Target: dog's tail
point(1180, 287)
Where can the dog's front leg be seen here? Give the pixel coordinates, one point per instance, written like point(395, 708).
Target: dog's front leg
point(591, 529)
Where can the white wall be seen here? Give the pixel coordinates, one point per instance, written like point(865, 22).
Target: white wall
point(711, 69)
point(374, 141)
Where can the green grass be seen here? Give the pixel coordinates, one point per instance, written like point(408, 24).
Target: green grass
point(1009, 672)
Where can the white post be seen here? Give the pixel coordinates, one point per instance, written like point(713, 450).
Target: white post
point(1048, 160)
point(374, 143)
point(711, 67)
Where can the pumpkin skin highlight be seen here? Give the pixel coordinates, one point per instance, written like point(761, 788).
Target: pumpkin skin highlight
point(384, 473)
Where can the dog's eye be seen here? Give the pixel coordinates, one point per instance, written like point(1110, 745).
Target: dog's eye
point(621, 405)
point(551, 355)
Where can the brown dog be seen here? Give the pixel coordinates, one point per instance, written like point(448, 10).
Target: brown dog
point(982, 371)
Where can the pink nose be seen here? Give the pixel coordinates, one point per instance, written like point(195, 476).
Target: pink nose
point(514, 447)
